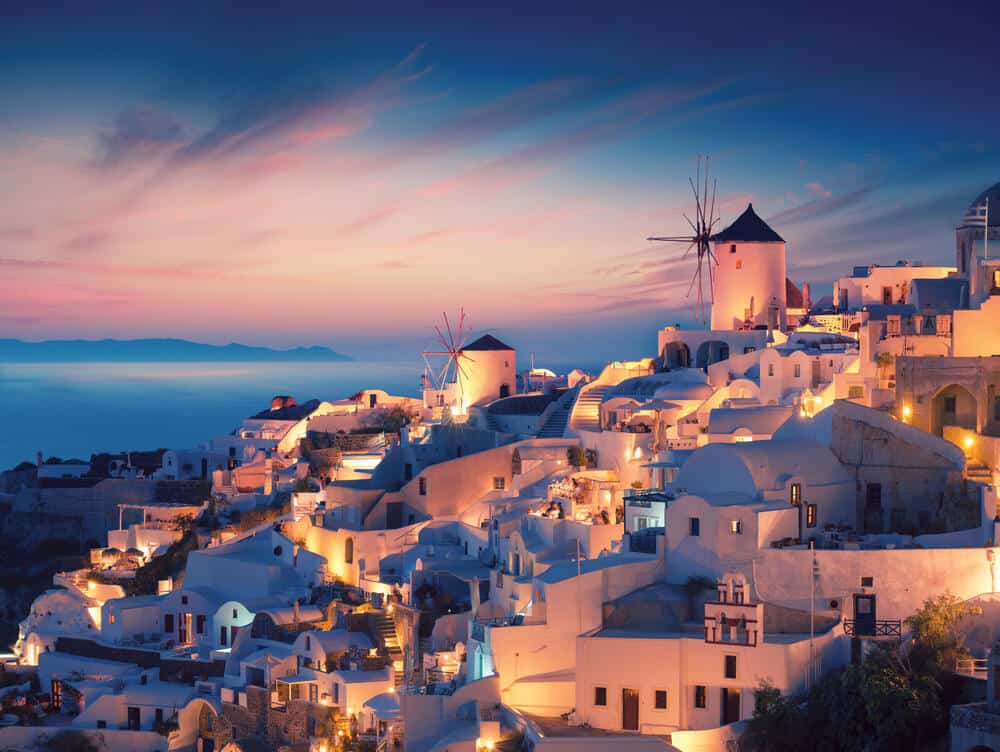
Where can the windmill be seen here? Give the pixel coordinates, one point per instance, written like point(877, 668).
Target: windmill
point(702, 227)
point(451, 343)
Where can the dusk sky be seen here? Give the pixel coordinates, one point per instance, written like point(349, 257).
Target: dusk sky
point(340, 176)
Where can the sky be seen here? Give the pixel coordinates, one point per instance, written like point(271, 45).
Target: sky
point(342, 174)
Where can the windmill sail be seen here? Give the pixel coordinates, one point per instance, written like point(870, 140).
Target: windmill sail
point(702, 227)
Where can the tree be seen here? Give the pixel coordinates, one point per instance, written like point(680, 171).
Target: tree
point(389, 420)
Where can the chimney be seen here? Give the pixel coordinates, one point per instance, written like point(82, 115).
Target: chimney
point(295, 612)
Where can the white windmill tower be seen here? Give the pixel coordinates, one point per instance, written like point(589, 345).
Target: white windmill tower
point(444, 372)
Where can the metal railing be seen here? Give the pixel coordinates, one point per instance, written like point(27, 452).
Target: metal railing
point(972, 666)
point(880, 628)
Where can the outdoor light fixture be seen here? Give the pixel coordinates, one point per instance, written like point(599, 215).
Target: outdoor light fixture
point(907, 412)
point(968, 441)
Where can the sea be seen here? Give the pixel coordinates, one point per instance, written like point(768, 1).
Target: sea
point(72, 410)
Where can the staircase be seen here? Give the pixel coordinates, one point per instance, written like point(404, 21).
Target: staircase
point(978, 472)
point(385, 632)
point(492, 423)
point(586, 414)
point(555, 424)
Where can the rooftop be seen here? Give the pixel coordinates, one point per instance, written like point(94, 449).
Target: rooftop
point(487, 342)
point(748, 228)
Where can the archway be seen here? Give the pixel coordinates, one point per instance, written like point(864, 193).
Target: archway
point(953, 405)
point(710, 352)
point(191, 719)
point(676, 355)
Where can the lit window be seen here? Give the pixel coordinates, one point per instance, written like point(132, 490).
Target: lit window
point(499, 483)
point(742, 439)
point(810, 515)
point(601, 696)
point(736, 527)
point(660, 699)
point(795, 494)
point(111, 617)
point(739, 263)
point(855, 392)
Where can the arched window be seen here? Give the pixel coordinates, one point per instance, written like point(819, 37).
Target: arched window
point(349, 551)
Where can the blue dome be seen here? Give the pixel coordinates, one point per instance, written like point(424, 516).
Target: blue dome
point(975, 216)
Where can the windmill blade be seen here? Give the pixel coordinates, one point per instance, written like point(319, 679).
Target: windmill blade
point(672, 239)
point(451, 339)
point(694, 227)
point(693, 242)
point(711, 212)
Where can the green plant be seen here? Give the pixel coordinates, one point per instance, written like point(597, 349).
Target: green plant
point(637, 484)
point(576, 456)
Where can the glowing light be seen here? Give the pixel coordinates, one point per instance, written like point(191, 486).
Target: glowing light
point(968, 441)
point(907, 412)
point(390, 609)
point(392, 690)
point(91, 585)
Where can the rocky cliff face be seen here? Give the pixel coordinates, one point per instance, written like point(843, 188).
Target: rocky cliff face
point(33, 547)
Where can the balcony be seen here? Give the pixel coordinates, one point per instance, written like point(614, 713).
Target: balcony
point(645, 497)
point(879, 629)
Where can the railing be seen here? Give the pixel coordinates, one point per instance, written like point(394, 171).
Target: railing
point(972, 666)
point(645, 497)
point(880, 628)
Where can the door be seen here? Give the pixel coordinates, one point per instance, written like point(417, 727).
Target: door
point(864, 614)
point(372, 400)
point(873, 508)
point(207, 745)
point(730, 705)
point(232, 634)
point(184, 628)
point(816, 376)
point(133, 719)
point(630, 709)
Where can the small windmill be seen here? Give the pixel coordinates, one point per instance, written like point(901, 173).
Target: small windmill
point(451, 343)
point(703, 226)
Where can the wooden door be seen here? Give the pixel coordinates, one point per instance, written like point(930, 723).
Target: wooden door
point(730, 705)
point(864, 614)
point(630, 709)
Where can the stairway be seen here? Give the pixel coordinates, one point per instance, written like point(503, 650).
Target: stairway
point(978, 472)
point(385, 632)
point(586, 414)
point(555, 424)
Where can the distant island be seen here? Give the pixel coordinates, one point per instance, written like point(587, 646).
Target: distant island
point(153, 350)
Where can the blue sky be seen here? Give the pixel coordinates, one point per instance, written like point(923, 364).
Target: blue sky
point(332, 175)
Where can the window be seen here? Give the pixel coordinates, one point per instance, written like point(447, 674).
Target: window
point(199, 623)
point(798, 370)
point(349, 551)
point(660, 699)
point(235, 612)
point(770, 369)
point(134, 719)
point(336, 693)
point(308, 642)
point(887, 296)
point(855, 392)
point(996, 408)
point(601, 696)
point(158, 717)
point(102, 724)
point(168, 622)
point(422, 486)
point(499, 483)
point(732, 248)
point(184, 600)
point(111, 617)
point(795, 494)
point(730, 667)
point(810, 515)
point(867, 582)
point(700, 696)
point(748, 350)
point(56, 694)
point(499, 579)
point(694, 526)
point(739, 263)
point(223, 633)
point(736, 527)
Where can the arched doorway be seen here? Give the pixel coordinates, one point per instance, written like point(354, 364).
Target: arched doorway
point(676, 355)
point(953, 405)
point(711, 352)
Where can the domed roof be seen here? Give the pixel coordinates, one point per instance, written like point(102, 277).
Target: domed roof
point(975, 216)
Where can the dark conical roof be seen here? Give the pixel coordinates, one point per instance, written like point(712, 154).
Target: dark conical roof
point(487, 342)
point(748, 228)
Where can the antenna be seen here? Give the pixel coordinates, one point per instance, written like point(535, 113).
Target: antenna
point(702, 228)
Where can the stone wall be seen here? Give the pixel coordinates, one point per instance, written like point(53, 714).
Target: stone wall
point(289, 725)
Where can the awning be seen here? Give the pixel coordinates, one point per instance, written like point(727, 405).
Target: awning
point(385, 706)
